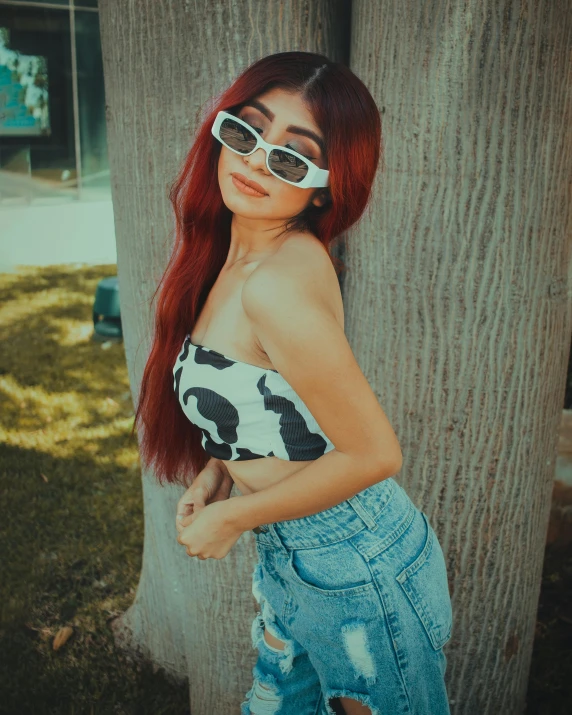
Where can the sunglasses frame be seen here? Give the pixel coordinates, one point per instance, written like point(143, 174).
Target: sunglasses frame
point(315, 178)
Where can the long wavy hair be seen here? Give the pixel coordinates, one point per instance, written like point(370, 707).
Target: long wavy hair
point(350, 121)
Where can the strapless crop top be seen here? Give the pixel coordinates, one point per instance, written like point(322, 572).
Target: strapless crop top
point(244, 411)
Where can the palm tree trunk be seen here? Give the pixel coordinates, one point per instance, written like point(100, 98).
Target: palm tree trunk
point(462, 275)
point(162, 62)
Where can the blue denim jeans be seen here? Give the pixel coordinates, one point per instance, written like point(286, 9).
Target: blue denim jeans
point(358, 594)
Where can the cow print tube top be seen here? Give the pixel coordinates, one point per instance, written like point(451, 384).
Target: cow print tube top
point(244, 411)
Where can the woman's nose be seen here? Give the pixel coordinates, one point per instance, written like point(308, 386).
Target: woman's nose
point(257, 160)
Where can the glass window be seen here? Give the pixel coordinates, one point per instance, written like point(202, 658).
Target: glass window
point(37, 151)
point(95, 181)
point(39, 125)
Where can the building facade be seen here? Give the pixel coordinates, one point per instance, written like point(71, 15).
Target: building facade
point(54, 170)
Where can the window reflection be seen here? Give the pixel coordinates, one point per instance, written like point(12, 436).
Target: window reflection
point(91, 100)
point(42, 122)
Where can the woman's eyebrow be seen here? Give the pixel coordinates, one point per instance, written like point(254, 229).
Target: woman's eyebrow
point(290, 128)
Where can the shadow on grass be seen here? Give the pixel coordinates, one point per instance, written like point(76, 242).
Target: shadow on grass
point(71, 532)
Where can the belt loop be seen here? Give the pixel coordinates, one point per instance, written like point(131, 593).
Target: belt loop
point(362, 512)
point(277, 538)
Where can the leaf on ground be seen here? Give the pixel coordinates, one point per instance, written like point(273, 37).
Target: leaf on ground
point(62, 636)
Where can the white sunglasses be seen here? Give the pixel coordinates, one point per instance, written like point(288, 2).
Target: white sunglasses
point(286, 164)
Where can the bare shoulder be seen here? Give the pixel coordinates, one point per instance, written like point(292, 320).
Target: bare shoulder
point(304, 263)
point(288, 302)
point(305, 252)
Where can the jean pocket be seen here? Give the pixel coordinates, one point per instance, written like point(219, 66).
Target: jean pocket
point(331, 570)
point(425, 584)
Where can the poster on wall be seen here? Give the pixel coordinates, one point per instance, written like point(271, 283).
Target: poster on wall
point(24, 106)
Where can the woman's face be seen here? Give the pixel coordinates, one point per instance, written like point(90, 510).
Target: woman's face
point(270, 114)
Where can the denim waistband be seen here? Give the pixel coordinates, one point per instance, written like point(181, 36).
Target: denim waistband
point(381, 507)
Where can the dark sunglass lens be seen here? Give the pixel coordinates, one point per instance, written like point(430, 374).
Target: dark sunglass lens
point(237, 136)
point(287, 165)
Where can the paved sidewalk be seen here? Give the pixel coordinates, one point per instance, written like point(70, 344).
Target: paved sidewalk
point(52, 233)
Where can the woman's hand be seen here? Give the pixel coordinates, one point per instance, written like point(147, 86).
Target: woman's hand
point(209, 533)
point(213, 483)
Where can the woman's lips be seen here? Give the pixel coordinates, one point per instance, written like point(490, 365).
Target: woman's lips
point(241, 186)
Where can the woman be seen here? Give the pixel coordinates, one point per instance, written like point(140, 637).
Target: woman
point(250, 369)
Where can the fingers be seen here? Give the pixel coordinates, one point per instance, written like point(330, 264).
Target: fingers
point(193, 498)
point(183, 520)
point(186, 520)
point(206, 487)
point(178, 524)
point(189, 553)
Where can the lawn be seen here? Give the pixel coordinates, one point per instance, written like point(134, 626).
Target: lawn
point(71, 533)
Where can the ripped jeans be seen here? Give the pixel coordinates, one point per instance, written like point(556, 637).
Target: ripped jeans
point(358, 594)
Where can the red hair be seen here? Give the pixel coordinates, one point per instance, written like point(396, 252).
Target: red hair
point(349, 119)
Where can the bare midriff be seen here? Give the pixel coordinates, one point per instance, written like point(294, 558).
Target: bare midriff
point(253, 475)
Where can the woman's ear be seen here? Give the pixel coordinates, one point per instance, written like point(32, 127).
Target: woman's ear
point(321, 197)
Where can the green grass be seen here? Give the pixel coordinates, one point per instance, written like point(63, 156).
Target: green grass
point(71, 526)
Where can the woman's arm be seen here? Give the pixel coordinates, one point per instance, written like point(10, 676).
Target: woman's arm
point(327, 481)
point(223, 479)
point(212, 483)
point(220, 466)
point(227, 480)
point(291, 318)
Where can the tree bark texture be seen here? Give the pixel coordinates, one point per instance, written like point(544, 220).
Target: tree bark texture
point(458, 299)
point(163, 60)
